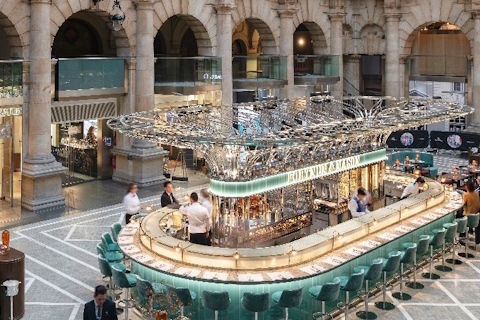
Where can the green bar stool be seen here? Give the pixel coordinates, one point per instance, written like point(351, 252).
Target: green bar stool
point(182, 297)
point(447, 243)
point(109, 243)
point(350, 284)
point(288, 299)
point(406, 257)
point(472, 223)
point(372, 273)
point(113, 256)
point(256, 302)
point(124, 281)
point(461, 228)
point(106, 269)
point(422, 248)
point(216, 301)
point(436, 241)
point(116, 228)
point(327, 292)
point(389, 265)
point(147, 292)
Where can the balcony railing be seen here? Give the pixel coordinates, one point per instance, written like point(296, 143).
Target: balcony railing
point(89, 76)
point(188, 71)
point(429, 65)
point(11, 80)
point(259, 68)
point(316, 65)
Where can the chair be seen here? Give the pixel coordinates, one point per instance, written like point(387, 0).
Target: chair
point(389, 265)
point(436, 241)
point(406, 257)
point(461, 228)
point(472, 223)
point(116, 228)
point(113, 256)
point(372, 273)
point(216, 301)
point(109, 243)
point(288, 299)
point(327, 292)
point(106, 269)
point(351, 284)
point(182, 297)
point(147, 291)
point(422, 249)
point(256, 302)
point(124, 281)
point(448, 242)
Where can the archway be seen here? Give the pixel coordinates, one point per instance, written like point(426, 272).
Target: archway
point(257, 36)
point(302, 41)
point(10, 42)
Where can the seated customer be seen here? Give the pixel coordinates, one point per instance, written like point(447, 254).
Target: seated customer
point(358, 205)
point(413, 188)
point(471, 200)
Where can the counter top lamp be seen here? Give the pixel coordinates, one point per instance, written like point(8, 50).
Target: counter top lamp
point(236, 256)
point(179, 248)
point(336, 235)
point(291, 254)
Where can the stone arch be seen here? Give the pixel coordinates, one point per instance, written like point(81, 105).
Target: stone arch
point(320, 45)
point(10, 25)
point(122, 42)
point(267, 39)
point(372, 40)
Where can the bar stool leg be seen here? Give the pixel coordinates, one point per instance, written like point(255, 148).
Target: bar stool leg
point(431, 275)
point(366, 314)
point(216, 314)
point(182, 310)
point(401, 295)
point(347, 304)
point(384, 305)
point(126, 304)
point(454, 261)
point(286, 314)
point(415, 284)
point(465, 254)
point(443, 267)
point(256, 315)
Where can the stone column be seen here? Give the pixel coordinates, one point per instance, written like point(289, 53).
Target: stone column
point(404, 76)
point(224, 47)
point(336, 48)
point(476, 69)
point(352, 74)
point(286, 48)
point(392, 67)
point(41, 174)
point(141, 164)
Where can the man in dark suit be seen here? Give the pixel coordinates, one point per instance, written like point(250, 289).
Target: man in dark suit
point(167, 196)
point(100, 308)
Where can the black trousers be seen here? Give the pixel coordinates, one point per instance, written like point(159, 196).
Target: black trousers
point(198, 238)
point(128, 217)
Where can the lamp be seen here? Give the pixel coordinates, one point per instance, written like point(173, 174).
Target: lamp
point(11, 291)
point(96, 1)
point(179, 248)
point(337, 235)
point(117, 16)
point(474, 163)
point(291, 253)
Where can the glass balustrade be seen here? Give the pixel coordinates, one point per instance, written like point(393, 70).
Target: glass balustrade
point(316, 65)
point(11, 82)
point(259, 68)
point(188, 71)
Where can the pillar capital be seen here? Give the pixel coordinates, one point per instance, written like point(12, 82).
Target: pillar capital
point(392, 17)
point(144, 4)
point(336, 16)
point(286, 12)
point(131, 63)
point(224, 8)
point(40, 1)
point(403, 58)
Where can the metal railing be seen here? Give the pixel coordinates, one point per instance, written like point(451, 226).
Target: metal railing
point(259, 67)
point(188, 70)
point(11, 78)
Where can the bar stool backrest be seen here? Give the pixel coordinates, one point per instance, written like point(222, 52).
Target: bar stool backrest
point(215, 300)
point(451, 233)
point(462, 225)
point(330, 291)
point(473, 220)
point(393, 262)
point(355, 282)
point(374, 272)
point(423, 243)
point(409, 255)
point(101, 249)
point(438, 238)
point(106, 239)
point(120, 278)
point(144, 288)
point(180, 294)
point(291, 298)
point(105, 268)
point(256, 302)
point(116, 228)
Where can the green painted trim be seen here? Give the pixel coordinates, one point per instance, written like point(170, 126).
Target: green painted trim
point(247, 188)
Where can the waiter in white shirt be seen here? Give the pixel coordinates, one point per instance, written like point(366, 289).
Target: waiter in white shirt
point(131, 202)
point(198, 220)
point(358, 204)
point(413, 188)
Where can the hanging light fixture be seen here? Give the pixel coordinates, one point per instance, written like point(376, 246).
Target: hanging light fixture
point(117, 16)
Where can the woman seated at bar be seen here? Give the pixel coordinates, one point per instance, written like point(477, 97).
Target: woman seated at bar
point(471, 200)
point(358, 204)
point(413, 188)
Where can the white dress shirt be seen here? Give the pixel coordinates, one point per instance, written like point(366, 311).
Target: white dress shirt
point(411, 190)
point(131, 203)
point(198, 219)
point(353, 207)
point(207, 204)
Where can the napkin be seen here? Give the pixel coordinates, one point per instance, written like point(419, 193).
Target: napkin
point(334, 261)
point(250, 277)
point(160, 265)
point(313, 269)
point(279, 275)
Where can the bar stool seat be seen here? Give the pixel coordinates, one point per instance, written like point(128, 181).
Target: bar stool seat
point(115, 228)
point(125, 281)
point(111, 256)
point(449, 241)
point(327, 292)
point(256, 302)
point(108, 242)
point(422, 249)
point(372, 273)
point(472, 223)
point(436, 241)
point(407, 256)
point(390, 264)
point(216, 301)
point(351, 284)
point(288, 299)
point(461, 228)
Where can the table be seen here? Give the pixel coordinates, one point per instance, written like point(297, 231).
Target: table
point(12, 267)
point(451, 178)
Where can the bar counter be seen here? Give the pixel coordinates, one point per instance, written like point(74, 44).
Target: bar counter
point(312, 260)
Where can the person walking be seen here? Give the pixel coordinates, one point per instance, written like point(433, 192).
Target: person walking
point(198, 220)
point(100, 308)
point(207, 203)
point(131, 202)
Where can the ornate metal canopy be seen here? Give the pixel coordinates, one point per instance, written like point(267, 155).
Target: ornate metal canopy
point(254, 140)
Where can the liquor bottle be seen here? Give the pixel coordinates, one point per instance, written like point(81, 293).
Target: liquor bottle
point(6, 238)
